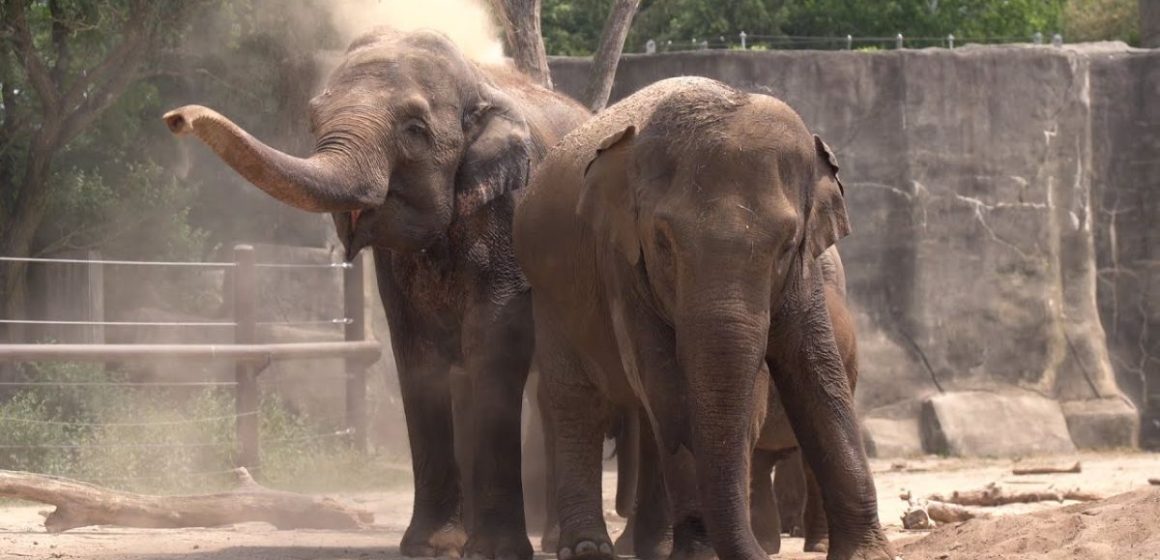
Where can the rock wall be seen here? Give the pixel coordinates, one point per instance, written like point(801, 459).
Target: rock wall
point(971, 176)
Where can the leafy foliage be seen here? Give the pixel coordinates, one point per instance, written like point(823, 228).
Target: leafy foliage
point(573, 27)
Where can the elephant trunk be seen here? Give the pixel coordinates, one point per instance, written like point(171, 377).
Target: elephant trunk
point(721, 349)
point(320, 183)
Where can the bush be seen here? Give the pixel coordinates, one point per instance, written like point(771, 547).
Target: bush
point(170, 440)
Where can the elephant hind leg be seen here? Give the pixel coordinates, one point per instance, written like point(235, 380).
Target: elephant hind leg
point(817, 529)
point(763, 502)
point(789, 485)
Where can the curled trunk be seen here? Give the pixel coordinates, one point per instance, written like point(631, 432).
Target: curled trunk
point(320, 183)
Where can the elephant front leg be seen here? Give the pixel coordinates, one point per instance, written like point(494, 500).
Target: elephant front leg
point(498, 343)
point(436, 528)
point(649, 533)
point(811, 380)
point(579, 417)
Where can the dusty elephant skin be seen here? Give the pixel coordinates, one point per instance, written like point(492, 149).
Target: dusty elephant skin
point(648, 536)
point(421, 156)
point(671, 243)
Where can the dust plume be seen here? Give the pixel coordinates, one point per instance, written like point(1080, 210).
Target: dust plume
point(467, 22)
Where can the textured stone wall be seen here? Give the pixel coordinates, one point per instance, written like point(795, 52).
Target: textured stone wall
point(971, 178)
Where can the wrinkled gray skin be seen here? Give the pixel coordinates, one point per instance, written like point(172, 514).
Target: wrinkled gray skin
point(421, 155)
point(648, 534)
point(671, 243)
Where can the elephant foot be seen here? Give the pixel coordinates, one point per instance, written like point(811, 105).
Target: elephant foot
point(694, 551)
point(550, 542)
point(817, 545)
point(878, 548)
point(771, 544)
point(645, 545)
point(587, 550)
point(447, 540)
point(624, 545)
point(691, 541)
point(586, 547)
point(499, 545)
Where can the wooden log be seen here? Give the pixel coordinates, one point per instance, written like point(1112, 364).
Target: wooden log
point(79, 504)
point(1048, 469)
point(923, 514)
point(951, 513)
point(1154, 481)
point(993, 495)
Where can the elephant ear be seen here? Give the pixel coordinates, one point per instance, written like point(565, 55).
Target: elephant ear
point(606, 200)
point(498, 156)
point(827, 221)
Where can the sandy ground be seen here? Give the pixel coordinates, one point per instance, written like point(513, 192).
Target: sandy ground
point(23, 536)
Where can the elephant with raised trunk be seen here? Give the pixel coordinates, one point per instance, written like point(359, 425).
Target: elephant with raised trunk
point(421, 155)
point(672, 245)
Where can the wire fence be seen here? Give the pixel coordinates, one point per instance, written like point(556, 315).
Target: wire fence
point(744, 41)
point(67, 434)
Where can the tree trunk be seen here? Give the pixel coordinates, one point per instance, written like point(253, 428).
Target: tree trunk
point(521, 25)
point(607, 57)
point(82, 505)
point(24, 220)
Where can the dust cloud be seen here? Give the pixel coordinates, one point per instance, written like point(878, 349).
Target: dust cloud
point(468, 23)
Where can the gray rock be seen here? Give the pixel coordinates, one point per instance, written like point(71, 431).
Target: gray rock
point(888, 438)
point(984, 424)
point(1102, 424)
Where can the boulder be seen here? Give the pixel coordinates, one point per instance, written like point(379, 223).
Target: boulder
point(985, 424)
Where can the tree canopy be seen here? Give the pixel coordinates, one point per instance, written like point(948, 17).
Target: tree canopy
point(572, 27)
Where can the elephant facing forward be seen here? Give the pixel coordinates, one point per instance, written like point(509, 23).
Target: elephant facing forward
point(671, 243)
point(421, 155)
point(648, 533)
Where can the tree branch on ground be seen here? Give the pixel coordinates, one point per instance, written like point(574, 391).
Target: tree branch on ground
point(1048, 469)
point(994, 495)
point(81, 505)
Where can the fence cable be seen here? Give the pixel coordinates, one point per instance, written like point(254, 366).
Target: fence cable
point(311, 437)
point(204, 419)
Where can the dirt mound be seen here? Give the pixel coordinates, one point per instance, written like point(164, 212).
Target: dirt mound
point(1123, 526)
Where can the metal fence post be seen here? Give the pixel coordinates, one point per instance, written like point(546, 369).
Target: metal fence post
point(246, 397)
point(356, 370)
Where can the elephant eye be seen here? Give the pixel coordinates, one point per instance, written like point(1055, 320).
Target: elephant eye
point(415, 127)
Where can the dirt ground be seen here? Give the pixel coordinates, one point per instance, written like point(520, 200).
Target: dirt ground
point(1122, 527)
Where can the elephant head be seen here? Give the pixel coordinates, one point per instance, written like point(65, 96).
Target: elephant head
point(714, 209)
point(409, 135)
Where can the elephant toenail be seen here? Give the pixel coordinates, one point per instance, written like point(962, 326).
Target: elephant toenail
point(565, 553)
point(606, 548)
point(585, 547)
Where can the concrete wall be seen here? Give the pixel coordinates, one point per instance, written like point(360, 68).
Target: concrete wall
point(971, 178)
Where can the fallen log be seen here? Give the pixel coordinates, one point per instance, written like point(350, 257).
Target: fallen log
point(1154, 481)
point(923, 514)
point(993, 495)
point(1048, 469)
point(79, 504)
